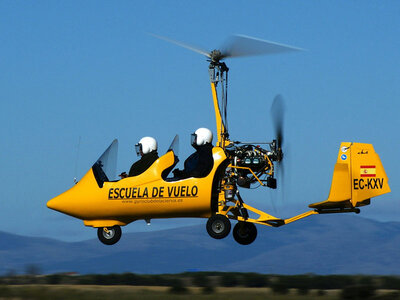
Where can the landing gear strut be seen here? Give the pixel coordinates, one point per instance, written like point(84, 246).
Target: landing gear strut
point(109, 235)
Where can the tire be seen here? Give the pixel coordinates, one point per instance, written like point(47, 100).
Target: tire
point(111, 237)
point(218, 226)
point(244, 233)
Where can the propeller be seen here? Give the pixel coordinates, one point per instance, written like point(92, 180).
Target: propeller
point(277, 112)
point(236, 46)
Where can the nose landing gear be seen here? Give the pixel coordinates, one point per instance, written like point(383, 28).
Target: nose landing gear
point(109, 235)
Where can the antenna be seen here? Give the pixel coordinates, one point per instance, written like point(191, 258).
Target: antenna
point(76, 160)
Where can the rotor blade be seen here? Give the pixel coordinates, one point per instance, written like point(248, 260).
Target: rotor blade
point(242, 45)
point(187, 46)
point(277, 111)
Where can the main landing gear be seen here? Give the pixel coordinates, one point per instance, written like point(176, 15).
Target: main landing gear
point(219, 226)
point(244, 233)
point(109, 235)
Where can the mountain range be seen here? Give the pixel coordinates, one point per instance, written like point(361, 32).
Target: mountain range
point(329, 244)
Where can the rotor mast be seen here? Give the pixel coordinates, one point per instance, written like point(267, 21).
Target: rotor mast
point(218, 72)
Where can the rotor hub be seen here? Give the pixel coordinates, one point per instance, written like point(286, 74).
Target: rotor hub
point(216, 56)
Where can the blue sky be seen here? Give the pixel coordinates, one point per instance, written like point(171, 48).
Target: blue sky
point(73, 70)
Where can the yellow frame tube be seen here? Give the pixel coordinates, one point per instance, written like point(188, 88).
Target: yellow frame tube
point(220, 125)
point(301, 216)
point(264, 218)
point(246, 168)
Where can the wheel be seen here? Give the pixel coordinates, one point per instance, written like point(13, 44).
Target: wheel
point(244, 233)
point(109, 235)
point(218, 226)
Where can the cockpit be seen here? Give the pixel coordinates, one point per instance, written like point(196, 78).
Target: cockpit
point(105, 168)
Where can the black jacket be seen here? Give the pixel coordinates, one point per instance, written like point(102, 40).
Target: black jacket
point(143, 163)
point(200, 163)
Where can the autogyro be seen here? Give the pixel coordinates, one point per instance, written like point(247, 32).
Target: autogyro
point(107, 204)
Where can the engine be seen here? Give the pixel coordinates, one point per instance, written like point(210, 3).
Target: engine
point(251, 164)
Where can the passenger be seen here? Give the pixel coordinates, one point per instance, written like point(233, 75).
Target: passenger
point(147, 149)
point(200, 163)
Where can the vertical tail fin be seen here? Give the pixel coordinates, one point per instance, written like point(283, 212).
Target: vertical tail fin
point(357, 177)
point(369, 178)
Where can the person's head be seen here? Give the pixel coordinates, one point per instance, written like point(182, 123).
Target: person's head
point(201, 137)
point(146, 145)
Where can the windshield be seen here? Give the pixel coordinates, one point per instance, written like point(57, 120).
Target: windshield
point(105, 168)
point(174, 145)
point(174, 148)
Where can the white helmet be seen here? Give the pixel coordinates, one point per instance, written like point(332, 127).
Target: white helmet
point(146, 145)
point(201, 137)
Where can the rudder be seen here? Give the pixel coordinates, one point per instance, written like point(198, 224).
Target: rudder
point(369, 178)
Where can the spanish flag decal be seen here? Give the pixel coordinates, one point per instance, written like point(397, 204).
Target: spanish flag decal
point(368, 171)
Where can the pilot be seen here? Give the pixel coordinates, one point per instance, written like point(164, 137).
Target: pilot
point(201, 162)
point(147, 149)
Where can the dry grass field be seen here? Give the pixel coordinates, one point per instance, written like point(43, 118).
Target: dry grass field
point(92, 292)
point(193, 286)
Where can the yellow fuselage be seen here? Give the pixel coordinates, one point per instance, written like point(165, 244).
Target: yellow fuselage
point(146, 196)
